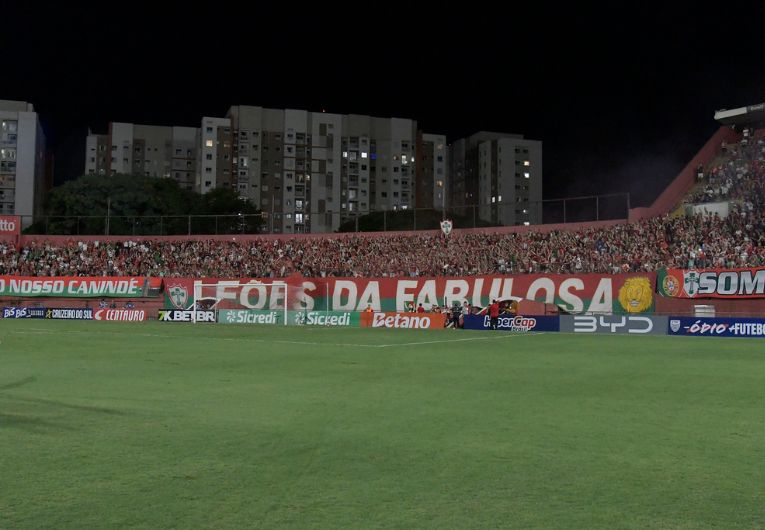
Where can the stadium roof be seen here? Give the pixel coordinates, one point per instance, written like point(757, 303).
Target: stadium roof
point(750, 114)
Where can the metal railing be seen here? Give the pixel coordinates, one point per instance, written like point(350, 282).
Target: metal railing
point(566, 210)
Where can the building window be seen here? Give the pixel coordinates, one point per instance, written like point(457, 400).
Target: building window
point(208, 143)
point(526, 175)
point(526, 163)
point(8, 154)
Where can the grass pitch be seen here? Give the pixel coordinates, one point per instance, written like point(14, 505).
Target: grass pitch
point(156, 425)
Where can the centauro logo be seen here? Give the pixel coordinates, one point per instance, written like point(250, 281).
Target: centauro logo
point(636, 295)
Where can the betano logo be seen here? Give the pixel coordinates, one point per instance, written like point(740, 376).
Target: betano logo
point(381, 320)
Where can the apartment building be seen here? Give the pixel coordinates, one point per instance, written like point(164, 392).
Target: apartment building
point(22, 161)
point(432, 171)
point(151, 150)
point(501, 174)
point(311, 171)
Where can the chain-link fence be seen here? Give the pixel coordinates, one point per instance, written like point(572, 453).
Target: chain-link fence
point(567, 210)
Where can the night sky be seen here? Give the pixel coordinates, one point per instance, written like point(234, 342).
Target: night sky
point(622, 100)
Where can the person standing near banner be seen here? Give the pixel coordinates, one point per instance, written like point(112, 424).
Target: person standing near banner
point(494, 314)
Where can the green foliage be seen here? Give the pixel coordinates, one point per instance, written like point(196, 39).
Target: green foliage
point(142, 205)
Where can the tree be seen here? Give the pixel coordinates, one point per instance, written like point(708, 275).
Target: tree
point(140, 205)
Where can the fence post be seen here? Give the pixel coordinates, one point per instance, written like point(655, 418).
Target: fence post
point(385, 220)
point(160, 226)
point(597, 207)
point(474, 215)
point(564, 210)
point(414, 219)
point(216, 225)
point(189, 225)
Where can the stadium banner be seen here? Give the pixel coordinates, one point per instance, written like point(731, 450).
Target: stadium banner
point(403, 320)
point(325, 318)
point(717, 327)
point(23, 312)
point(80, 287)
point(632, 324)
point(711, 283)
point(515, 323)
point(177, 315)
point(294, 318)
point(121, 315)
point(10, 225)
point(250, 316)
point(580, 293)
point(79, 313)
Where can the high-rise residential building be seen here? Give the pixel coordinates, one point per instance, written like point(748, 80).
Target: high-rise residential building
point(22, 160)
point(432, 171)
point(216, 155)
point(151, 150)
point(311, 171)
point(500, 175)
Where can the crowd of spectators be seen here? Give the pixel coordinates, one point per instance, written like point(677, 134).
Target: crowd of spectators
point(693, 241)
point(737, 175)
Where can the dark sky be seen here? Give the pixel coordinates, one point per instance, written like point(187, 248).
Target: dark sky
point(621, 99)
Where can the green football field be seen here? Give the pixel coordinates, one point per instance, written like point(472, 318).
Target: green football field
point(161, 425)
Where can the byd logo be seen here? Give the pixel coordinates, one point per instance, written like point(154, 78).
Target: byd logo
point(612, 324)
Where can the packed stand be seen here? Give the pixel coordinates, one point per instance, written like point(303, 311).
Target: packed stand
point(696, 241)
point(739, 176)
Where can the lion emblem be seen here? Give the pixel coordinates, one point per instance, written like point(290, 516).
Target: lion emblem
point(636, 295)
